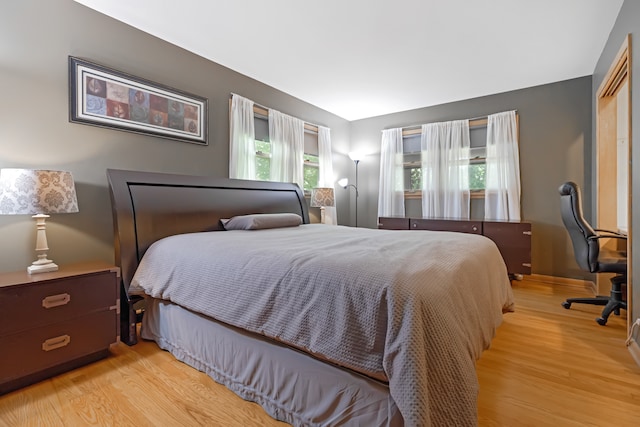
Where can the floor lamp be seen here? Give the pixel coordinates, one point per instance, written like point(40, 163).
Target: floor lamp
point(344, 182)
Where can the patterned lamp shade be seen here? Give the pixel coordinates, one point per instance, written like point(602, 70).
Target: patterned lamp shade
point(29, 191)
point(321, 197)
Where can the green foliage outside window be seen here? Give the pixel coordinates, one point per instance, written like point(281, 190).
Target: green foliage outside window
point(263, 165)
point(416, 179)
point(263, 160)
point(477, 176)
point(311, 171)
point(413, 163)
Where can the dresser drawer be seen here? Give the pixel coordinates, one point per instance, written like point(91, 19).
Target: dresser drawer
point(514, 242)
point(32, 351)
point(391, 223)
point(509, 234)
point(460, 226)
point(37, 304)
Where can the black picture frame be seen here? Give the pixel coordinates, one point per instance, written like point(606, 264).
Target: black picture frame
point(101, 96)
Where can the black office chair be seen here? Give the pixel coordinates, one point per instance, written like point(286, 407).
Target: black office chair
point(590, 256)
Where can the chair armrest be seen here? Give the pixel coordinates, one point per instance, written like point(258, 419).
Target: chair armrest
point(608, 236)
point(603, 231)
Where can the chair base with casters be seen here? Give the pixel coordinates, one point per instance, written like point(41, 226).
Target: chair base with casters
point(612, 303)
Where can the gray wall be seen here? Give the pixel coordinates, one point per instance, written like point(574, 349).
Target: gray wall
point(37, 38)
point(628, 22)
point(555, 133)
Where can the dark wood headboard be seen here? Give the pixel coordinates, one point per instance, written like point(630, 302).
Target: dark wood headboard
point(149, 206)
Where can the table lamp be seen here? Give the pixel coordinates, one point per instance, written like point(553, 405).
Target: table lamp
point(37, 193)
point(321, 197)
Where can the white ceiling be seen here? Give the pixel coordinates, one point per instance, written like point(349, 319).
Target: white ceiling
point(365, 58)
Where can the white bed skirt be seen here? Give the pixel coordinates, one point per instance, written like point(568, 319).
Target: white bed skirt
point(290, 385)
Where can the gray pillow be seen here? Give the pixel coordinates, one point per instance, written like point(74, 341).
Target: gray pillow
point(261, 221)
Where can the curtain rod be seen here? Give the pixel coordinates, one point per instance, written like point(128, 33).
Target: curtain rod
point(413, 127)
point(306, 123)
point(487, 116)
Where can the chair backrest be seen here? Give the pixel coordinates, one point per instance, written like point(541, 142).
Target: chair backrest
point(585, 250)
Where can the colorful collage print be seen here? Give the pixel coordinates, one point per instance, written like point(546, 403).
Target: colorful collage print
point(126, 103)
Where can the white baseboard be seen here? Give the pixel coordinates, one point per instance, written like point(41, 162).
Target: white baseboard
point(634, 349)
point(632, 342)
point(563, 281)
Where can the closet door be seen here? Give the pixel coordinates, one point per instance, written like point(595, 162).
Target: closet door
point(613, 168)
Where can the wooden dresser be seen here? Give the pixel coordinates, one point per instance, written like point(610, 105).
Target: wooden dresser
point(54, 322)
point(513, 238)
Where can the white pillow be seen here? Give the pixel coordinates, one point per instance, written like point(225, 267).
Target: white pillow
point(261, 221)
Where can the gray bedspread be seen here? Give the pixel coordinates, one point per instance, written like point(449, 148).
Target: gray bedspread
point(414, 308)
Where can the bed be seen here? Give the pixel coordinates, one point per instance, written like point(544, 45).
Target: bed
point(320, 325)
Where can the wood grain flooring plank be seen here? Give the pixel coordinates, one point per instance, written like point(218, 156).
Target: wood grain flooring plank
point(547, 366)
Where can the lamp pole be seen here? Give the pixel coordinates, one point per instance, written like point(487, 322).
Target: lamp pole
point(356, 161)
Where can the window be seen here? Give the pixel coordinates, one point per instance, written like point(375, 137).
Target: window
point(477, 169)
point(477, 160)
point(311, 169)
point(412, 163)
point(263, 160)
point(477, 157)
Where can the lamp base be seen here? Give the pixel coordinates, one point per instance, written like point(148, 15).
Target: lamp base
point(38, 267)
point(42, 264)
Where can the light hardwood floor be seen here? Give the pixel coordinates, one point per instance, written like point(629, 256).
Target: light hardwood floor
point(550, 366)
point(546, 366)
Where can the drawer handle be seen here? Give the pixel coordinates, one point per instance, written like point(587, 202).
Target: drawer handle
point(526, 264)
point(57, 342)
point(528, 233)
point(56, 300)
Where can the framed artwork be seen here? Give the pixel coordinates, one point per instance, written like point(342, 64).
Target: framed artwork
point(101, 96)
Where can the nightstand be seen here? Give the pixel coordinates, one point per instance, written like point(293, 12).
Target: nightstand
point(54, 322)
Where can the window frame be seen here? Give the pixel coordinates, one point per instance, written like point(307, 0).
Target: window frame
point(473, 123)
point(262, 113)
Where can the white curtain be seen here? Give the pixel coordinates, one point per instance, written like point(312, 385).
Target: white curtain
point(286, 135)
point(391, 193)
point(502, 188)
point(242, 147)
point(325, 177)
point(445, 169)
